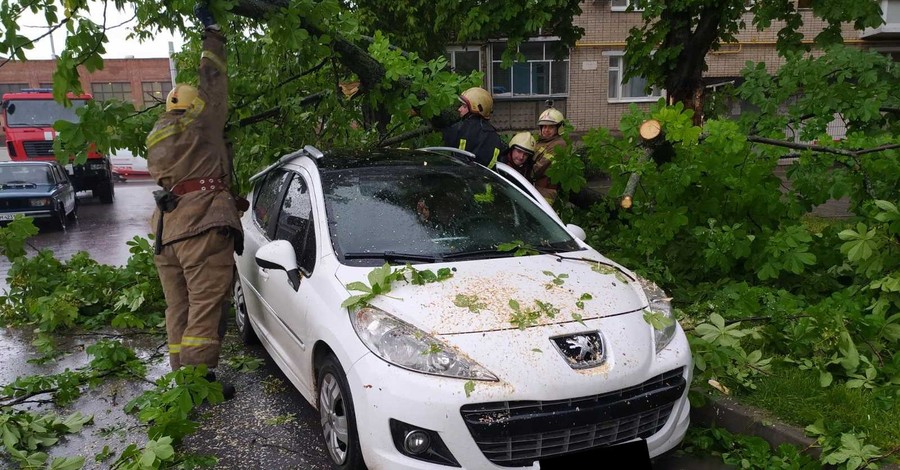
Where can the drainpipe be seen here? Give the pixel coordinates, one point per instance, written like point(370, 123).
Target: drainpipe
point(172, 63)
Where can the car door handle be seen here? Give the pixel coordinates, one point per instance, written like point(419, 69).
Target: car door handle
point(264, 274)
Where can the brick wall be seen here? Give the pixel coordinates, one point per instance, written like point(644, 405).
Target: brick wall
point(34, 73)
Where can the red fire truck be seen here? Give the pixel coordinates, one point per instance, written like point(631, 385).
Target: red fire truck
point(28, 118)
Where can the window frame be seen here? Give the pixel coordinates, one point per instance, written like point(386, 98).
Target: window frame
point(620, 70)
point(147, 96)
point(547, 43)
point(452, 50)
point(619, 8)
point(100, 95)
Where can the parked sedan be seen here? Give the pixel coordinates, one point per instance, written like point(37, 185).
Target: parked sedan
point(439, 314)
point(37, 189)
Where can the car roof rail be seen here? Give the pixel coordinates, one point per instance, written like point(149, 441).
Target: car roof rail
point(452, 151)
point(308, 150)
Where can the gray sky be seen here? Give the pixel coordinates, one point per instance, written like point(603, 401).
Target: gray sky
point(117, 47)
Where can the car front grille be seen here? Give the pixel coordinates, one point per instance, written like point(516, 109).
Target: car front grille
point(10, 204)
point(520, 432)
point(38, 148)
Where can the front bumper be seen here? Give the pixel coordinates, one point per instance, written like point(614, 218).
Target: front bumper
point(383, 392)
point(37, 214)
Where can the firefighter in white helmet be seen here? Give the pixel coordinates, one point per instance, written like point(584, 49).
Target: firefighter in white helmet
point(474, 132)
point(520, 154)
point(196, 221)
point(550, 125)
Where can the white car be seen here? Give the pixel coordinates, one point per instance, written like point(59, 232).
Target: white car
point(495, 339)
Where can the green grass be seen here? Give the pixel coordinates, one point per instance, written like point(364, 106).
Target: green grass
point(795, 397)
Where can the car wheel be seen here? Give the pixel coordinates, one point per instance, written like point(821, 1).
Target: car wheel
point(106, 192)
point(337, 416)
point(59, 217)
point(74, 214)
point(241, 316)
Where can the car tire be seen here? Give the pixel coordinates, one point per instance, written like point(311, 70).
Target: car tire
point(73, 216)
point(241, 316)
point(106, 192)
point(59, 218)
point(337, 416)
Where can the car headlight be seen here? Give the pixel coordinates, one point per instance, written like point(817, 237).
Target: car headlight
point(40, 202)
point(406, 346)
point(660, 303)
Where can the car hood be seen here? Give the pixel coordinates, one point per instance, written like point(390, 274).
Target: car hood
point(25, 190)
point(478, 296)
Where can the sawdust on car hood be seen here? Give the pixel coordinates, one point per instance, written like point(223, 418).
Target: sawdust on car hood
point(477, 297)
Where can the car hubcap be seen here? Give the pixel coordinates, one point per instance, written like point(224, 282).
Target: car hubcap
point(334, 419)
point(240, 313)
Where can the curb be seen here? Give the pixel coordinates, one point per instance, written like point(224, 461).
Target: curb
point(741, 419)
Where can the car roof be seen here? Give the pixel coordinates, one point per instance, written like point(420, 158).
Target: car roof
point(387, 157)
point(18, 163)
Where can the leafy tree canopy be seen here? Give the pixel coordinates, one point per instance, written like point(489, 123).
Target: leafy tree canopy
point(327, 72)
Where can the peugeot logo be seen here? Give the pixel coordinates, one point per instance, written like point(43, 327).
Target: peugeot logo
point(581, 350)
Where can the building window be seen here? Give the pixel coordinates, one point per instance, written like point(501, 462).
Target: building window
point(622, 5)
point(632, 90)
point(12, 87)
point(155, 93)
point(807, 4)
point(464, 60)
point(46, 85)
point(540, 74)
point(111, 91)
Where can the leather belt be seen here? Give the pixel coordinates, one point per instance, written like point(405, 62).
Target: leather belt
point(199, 184)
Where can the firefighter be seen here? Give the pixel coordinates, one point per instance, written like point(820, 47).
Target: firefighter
point(521, 154)
point(550, 125)
point(196, 219)
point(474, 132)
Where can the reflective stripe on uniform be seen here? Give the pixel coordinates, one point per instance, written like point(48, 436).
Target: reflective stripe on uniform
point(493, 162)
point(462, 144)
point(216, 60)
point(188, 341)
point(178, 126)
point(174, 348)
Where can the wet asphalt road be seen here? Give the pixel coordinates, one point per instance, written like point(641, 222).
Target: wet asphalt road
point(268, 425)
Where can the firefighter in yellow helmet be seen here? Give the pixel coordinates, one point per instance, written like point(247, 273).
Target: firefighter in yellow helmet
point(521, 153)
point(550, 123)
point(474, 132)
point(196, 219)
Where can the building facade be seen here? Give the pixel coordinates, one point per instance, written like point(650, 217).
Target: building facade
point(584, 81)
point(143, 82)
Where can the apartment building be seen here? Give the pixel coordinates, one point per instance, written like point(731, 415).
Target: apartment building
point(584, 81)
point(586, 84)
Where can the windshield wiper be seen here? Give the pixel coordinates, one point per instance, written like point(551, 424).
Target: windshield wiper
point(486, 253)
point(393, 256)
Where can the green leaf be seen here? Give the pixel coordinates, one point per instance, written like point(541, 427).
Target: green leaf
point(469, 387)
point(67, 463)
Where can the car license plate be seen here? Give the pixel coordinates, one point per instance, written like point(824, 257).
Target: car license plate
point(7, 216)
point(635, 453)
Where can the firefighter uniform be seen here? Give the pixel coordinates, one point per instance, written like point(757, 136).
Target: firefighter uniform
point(475, 133)
point(543, 157)
point(188, 156)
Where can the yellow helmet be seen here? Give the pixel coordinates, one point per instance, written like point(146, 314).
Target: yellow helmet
point(479, 101)
point(523, 141)
point(551, 117)
point(180, 97)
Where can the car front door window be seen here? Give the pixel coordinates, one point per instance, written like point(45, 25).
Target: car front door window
point(295, 224)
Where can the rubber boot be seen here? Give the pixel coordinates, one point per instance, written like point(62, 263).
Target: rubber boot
point(228, 390)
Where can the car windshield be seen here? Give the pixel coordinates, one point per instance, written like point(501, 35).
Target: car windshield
point(40, 113)
point(428, 209)
point(24, 174)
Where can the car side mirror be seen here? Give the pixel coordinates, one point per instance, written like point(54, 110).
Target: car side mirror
point(576, 231)
point(280, 254)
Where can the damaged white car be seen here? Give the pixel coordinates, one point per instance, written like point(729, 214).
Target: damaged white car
point(439, 314)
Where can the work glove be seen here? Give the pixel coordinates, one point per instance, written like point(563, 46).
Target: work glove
point(201, 11)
